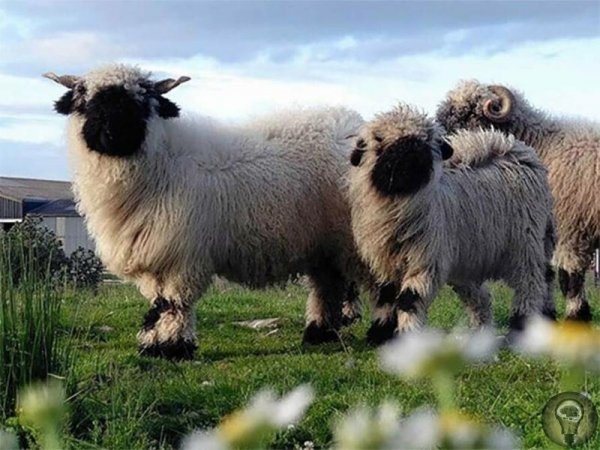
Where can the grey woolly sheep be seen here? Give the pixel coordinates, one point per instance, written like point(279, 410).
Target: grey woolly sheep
point(419, 225)
point(570, 149)
point(172, 201)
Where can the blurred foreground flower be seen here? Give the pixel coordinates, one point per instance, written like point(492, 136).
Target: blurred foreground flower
point(383, 429)
point(439, 356)
point(572, 343)
point(363, 428)
point(423, 353)
point(251, 427)
point(453, 430)
point(41, 408)
point(8, 441)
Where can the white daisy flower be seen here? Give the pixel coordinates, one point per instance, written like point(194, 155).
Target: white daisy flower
point(573, 343)
point(363, 428)
point(205, 440)
point(426, 429)
point(265, 414)
point(422, 353)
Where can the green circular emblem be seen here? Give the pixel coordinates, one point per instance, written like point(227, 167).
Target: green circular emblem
point(569, 419)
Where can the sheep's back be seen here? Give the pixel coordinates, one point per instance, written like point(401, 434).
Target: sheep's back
point(573, 161)
point(269, 207)
point(495, 207)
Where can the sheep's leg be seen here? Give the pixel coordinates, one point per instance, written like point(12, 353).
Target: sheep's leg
point(478, 302)
point(413, 301)
point(531, 293)
point(168, 330)
point(324, 306)
point(412, 311)
point(385, 320)
point(351, 309)
point(572, 258)
point(572, 285)
point(549, 309)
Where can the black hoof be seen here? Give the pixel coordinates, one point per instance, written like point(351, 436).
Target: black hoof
point(517, 323)
point(349, 320)
point(381, 332)
point(511, 339)
point(177, 351)
point(583, 314)
point(318, 334)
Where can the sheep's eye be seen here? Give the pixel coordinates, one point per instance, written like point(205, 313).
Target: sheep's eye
point(378, 138)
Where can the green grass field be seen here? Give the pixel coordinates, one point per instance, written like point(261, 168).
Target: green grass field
point(123, 400)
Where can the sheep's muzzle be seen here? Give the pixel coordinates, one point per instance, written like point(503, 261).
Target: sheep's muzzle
point(115, 122)
point(403, 167)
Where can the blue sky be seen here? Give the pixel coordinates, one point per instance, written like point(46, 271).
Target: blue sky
point(249, 57)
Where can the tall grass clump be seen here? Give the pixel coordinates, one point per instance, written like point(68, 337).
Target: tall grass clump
point(31, 295)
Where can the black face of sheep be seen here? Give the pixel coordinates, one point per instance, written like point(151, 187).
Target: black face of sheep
point(116, 116)
point(489, 106)
point(406, 165)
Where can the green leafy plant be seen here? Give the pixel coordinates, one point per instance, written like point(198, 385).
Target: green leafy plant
point(31, 344)
point(34, 252)
point(85, 269)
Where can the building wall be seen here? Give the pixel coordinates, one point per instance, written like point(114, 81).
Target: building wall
point(70, 231)
point(10, 209)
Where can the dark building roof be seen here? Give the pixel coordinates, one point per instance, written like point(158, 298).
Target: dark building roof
point(56, 208)
point(18, 189)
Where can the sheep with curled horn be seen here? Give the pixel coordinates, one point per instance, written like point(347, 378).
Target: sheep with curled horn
point(172, 201)
point(570, 149)
point(419, 224)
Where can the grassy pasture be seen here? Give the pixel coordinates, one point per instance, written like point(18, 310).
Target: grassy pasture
point(123, 400)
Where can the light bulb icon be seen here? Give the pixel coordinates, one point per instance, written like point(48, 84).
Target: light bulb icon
point(569, 414)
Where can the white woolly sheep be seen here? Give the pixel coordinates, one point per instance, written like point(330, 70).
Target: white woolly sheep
point(419, 225)
point(570, 149)
point(170, 203)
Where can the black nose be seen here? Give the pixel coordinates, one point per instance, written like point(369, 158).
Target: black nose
point(115, 123)
point(356, 156)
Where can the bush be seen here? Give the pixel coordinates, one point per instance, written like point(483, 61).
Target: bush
point(33, 252)
point(85, 269)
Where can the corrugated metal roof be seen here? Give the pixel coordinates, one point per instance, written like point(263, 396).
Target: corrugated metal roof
point(22, 188)
point(56, 208)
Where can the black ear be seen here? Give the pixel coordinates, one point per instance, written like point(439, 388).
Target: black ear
point(166, 108)
point(447, 150)
point(64, 105)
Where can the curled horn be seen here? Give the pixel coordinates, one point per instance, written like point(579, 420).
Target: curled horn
point(164, 86)
point(499, 110)
point(67, 81)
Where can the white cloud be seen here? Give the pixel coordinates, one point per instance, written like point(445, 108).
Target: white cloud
point(27, 92)
point(63, 49)
point(558, 75)
point(13, 27)
point(60, 49)
point(32, 130)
